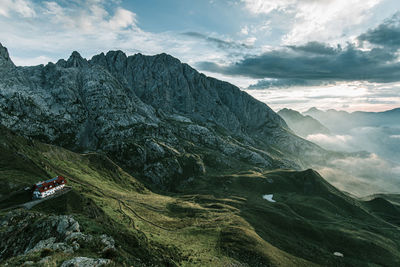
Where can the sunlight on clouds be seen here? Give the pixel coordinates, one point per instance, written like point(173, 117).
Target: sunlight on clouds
point(92, 18)
point(265, 7)
point(327, 20)
point(245, 30)
point(349, 96)
point(317, 20)
point(122, 19)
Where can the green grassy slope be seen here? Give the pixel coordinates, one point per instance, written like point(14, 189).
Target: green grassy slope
point(310, 218)
point(219, 219)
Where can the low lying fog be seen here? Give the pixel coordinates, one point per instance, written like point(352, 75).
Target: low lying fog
point(377, 173)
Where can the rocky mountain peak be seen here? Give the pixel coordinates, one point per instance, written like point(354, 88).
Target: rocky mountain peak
point(313, 109)
point(114, 103)
point(76, 61)
point(5, 60)
point(167, 58)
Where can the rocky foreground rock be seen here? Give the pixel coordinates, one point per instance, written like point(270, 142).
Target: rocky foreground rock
point(23, 233)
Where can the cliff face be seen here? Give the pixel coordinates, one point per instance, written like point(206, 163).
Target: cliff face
point(165, 83)
point(152, 113)
point(5, 61)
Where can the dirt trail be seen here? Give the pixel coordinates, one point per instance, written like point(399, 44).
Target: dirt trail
point(124, 204)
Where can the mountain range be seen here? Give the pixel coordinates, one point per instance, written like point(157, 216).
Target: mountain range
point(102, 104)
point(169, 167)
point(302, 125)
point(376, 132)
point(341, 121)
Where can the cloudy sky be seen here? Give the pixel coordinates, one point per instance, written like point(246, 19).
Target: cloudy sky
point(341, 54)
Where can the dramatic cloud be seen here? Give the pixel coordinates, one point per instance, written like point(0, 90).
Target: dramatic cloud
point(350, 96)
point(316, 62)
point(266, 44)
point(316, 20)
point(286, 83)
point(387, 34)
point(316, 48)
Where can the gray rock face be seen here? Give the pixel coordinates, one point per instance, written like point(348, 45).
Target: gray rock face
point(165, 83)
point(5, 60)
point(51, 243)
point(146, 112)
point(27, 232)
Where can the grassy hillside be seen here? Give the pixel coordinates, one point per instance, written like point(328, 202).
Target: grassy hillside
point(220, 219)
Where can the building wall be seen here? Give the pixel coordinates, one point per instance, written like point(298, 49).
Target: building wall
point(51, 191)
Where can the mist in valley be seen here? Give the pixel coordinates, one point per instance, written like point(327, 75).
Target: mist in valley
point(376, 135)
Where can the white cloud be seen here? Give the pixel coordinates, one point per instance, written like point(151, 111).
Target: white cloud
point(329, 21)
point(350, 96)
point(90, 18)
point(250, 40)
point(245, 30)
point(122, 19)
point(265, 7)
point(23, 8)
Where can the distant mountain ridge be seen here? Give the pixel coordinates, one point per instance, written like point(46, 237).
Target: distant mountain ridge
point(376, 132)
point(302, 125)
point(340, 120)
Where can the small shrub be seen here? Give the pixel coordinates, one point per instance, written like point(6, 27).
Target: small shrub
point(110, 253)
point(46, 252)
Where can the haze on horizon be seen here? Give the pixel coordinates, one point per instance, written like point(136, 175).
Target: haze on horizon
point(287, 53)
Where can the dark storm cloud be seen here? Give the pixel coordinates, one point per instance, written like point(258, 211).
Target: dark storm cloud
point(316, 62)
point(387, 34)
point(286, 83)
point(316, 48)
point(218, 42)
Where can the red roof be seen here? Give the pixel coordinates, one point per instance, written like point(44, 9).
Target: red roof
point(49, 184)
